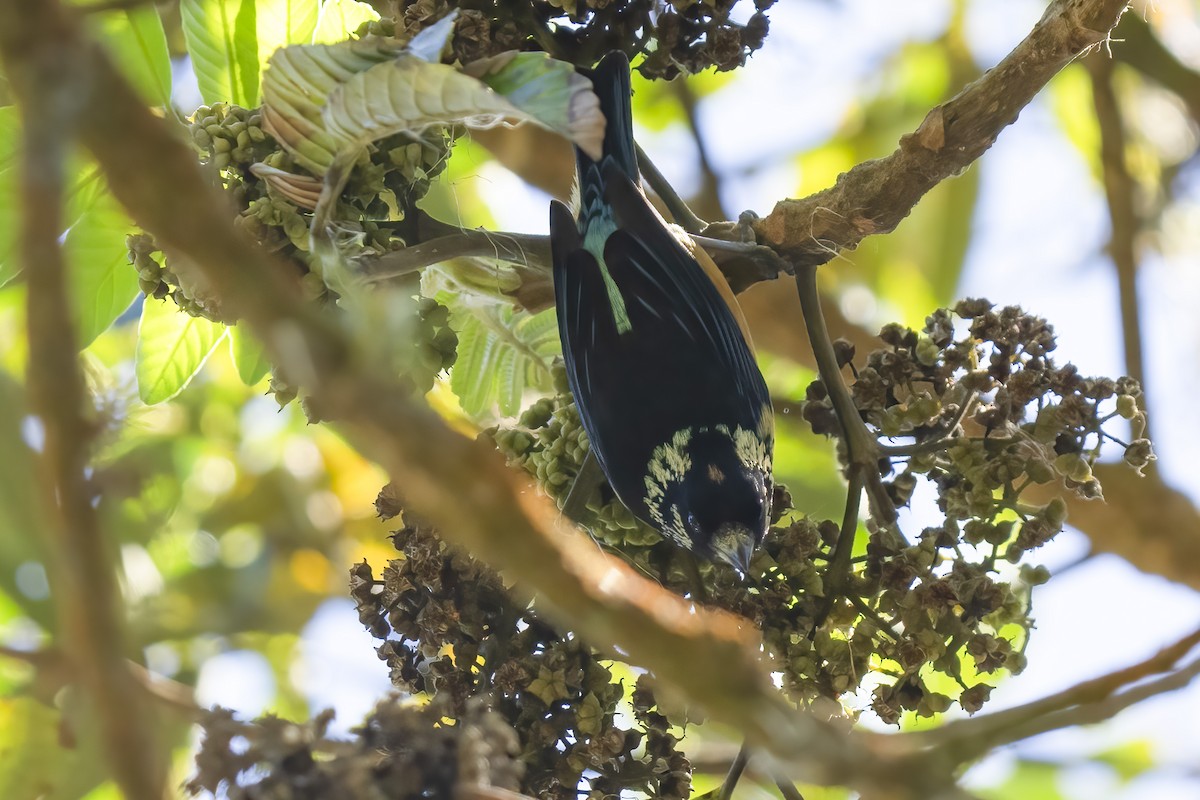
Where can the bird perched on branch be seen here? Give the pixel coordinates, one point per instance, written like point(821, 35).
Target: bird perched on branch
point(658, 354)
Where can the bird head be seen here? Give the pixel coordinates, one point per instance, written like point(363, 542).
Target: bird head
point(723, 503)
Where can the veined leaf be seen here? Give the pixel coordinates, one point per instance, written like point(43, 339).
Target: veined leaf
point(172, 347)
point(103, 282)
point(297, 83)
point(501, 352)
point(284, 22)
point(323, 101)
point(135, 40)
point(222, 39)
point(248, 356)
point(340, 18)
point(410, 94)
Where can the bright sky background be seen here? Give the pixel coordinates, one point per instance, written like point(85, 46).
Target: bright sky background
point(1040, 228)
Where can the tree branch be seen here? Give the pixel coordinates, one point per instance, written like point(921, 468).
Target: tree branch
point(735, 774)
point(682, 214)
point(862, 448)
point(1091, 701)
point(90, 618)
point(526, 249)
point(1119, 189)
point(874, 197)
point(743, 263)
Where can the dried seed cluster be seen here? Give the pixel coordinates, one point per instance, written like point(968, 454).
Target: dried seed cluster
point(682, 36)
point(402, 750)
point(982, 413)
point(452, 631)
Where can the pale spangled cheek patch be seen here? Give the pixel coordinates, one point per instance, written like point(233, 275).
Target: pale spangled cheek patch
point(715, 475)
point(753, 449)
point(669, 463)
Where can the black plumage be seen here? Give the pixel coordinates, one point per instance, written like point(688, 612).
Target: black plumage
point(661, 368)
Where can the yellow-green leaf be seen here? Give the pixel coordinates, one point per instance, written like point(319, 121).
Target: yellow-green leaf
point(408, 93)
point(171, 348)
point(248, 356)
point(135, 40)
point(102, 281)
point(284, 22)
point(222, 39)
point(340, 18)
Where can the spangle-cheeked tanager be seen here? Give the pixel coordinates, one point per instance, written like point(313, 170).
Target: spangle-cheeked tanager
point(658, 355)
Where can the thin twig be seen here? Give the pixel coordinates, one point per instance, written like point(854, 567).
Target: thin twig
point(939, 441)
point(788, 790)
point(874, 616)
point(682, 214)
point(965, 740)
point(586, 480)
point(708, 198)
point(743, 263)
point(53, 661)
point(735, 773)
point(862, 448)
point(527, 249)
point(839, 563)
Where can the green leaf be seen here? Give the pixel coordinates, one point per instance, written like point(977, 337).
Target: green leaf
point(502, 352)
point(135, 40)
point(171, 348)
point(1129, 759)
point(340, 18)
point(248, 356)
point(33, 760)
point(222, 39)
point(284, 22)
point(10, 134)
point(103, 282)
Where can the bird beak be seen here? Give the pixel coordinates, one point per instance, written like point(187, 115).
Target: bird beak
point(734, 546)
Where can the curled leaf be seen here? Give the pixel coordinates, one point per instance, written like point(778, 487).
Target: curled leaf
point(324, 100)
point(303, 190)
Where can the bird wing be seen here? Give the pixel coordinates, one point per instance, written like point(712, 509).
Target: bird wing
point(655, 271)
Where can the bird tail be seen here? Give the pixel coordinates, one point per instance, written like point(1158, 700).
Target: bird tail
point(610, 80)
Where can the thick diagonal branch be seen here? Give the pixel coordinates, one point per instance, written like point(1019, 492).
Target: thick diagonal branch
point(460, 484)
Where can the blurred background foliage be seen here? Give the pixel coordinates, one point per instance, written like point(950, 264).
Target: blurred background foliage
point(235, 522)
